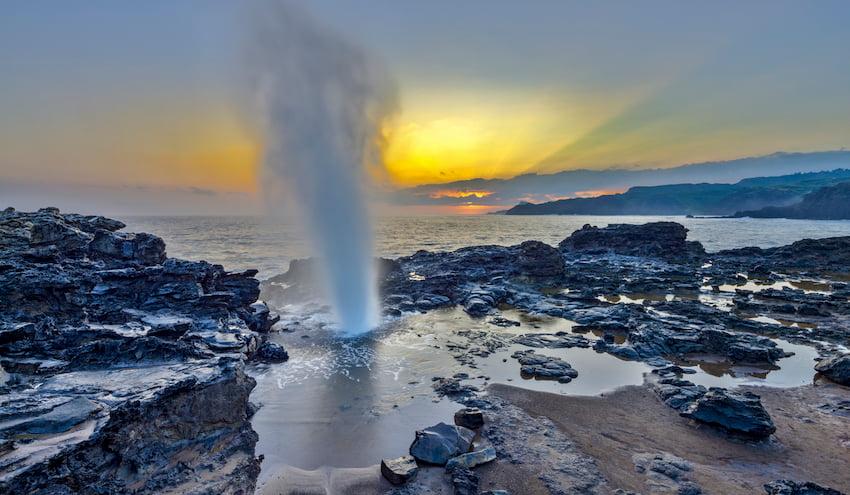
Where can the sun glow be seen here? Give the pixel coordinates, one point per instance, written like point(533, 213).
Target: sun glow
point(445, 136)
point(450, 193)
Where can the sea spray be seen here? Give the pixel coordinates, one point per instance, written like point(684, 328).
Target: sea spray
point(323, 101)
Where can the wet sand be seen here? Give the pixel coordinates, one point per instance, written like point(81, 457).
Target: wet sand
point(347, 481)
point(810, 444)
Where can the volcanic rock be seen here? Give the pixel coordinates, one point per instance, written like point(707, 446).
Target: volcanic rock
point(399, 470)
point(464, 481)
point(736, 412)
point(271, 352)
point(472, 459)
point(470, 417)
point(665, 240)
point(537, 259)
point(788, 487)
point(115, 375)
point(534, 365)
point(439, 443)
point(836, 369)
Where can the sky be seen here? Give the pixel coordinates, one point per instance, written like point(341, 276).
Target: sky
point(140, 105)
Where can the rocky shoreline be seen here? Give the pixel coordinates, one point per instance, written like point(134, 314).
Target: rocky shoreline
point(645, 293)
point(124, 370)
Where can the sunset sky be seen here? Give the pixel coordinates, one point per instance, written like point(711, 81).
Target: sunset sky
point(115, 97)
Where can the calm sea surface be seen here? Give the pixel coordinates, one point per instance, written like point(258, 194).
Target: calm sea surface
point(255, 242)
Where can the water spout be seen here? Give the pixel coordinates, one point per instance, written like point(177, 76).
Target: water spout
point(323, 102)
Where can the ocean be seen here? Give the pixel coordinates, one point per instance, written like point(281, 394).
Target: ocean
point(256, 242)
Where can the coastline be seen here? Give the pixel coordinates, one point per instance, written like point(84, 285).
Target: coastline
point(809, 444)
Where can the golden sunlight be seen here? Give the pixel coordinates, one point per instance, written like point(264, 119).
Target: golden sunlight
point(448, 136)
point(450, 193)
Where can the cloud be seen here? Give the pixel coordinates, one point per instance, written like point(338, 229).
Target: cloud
point(450, 193)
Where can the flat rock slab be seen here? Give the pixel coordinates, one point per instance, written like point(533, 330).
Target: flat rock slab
point(439, 443)
point(472, 459)
point(544, 367)
point(559, 340)
point(57, 420)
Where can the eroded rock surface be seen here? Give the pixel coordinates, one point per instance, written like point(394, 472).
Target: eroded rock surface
point(788, 487)
point(125, 367)
point(836, 369)
point(736, 412)
point(400, 470)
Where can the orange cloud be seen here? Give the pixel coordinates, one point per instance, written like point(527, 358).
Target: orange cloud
point(595, 193)
point(449, 193)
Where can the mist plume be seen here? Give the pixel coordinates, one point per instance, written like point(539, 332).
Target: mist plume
point(323, 101)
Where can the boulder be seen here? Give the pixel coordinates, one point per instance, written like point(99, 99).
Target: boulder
point(737, 412)
point(271, 352)
point(399, 470)
point(439, 443)
point(477, 306)
point(470, 417)
point(836, 369)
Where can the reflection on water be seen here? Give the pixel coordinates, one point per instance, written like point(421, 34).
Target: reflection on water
point(597, 373)
point(792, 371)
point(755, 285)
point(637, 298)
point(348, 403)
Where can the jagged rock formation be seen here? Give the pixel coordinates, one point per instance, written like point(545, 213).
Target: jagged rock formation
point(836, 368)
point(124, 367)
point(664, 240)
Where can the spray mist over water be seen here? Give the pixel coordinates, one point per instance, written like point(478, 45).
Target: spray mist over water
point(323, 101)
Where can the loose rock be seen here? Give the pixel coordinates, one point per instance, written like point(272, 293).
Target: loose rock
point(439, 443)
point(470, 417)
point(399, 470)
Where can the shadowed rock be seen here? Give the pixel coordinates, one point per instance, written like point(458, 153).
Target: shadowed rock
point(736, 412)
point(113, 348)
point(439, 443)
point(534, 365)
point(665, 240)
point(472, 459)
point(788, 487)
point(836, 369)
point(399, 470)
point(470, 417)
